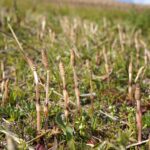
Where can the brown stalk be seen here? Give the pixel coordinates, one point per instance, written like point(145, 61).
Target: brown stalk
point(5, 93)
point(97, 58)
point(138, 112)
point(130, 70)
point(37, 94)
point(121, 37)
point(137, 51)
point(91, 85)
point(140, 71)
point(65, 92)
point(45, 63)
point(138, 144)
point(17, 41)
point(114, 43)
point(43, 25)
point(142, 43)
point(106, 60)
point(145, 57)
point(72, 58)
point(4, 85)
point(76, 85)
point(146, 52)
point(148, 55)
point(3, 76)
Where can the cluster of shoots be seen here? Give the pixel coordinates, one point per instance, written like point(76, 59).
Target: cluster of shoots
point(134, 92)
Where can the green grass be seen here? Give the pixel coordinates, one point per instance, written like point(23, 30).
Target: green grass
point(19, 114)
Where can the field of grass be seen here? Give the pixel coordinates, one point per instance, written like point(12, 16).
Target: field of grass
point(73, 77)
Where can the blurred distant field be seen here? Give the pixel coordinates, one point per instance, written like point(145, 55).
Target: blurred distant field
point(101, 3)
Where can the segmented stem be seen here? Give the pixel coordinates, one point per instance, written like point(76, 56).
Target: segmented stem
point(138, 112)
point(65, 92)
point(76, 85)
point(130, 92)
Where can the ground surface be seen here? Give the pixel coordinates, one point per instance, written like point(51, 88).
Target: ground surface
point(103, 43)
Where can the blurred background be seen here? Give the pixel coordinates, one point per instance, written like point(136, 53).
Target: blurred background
point(137, 1)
